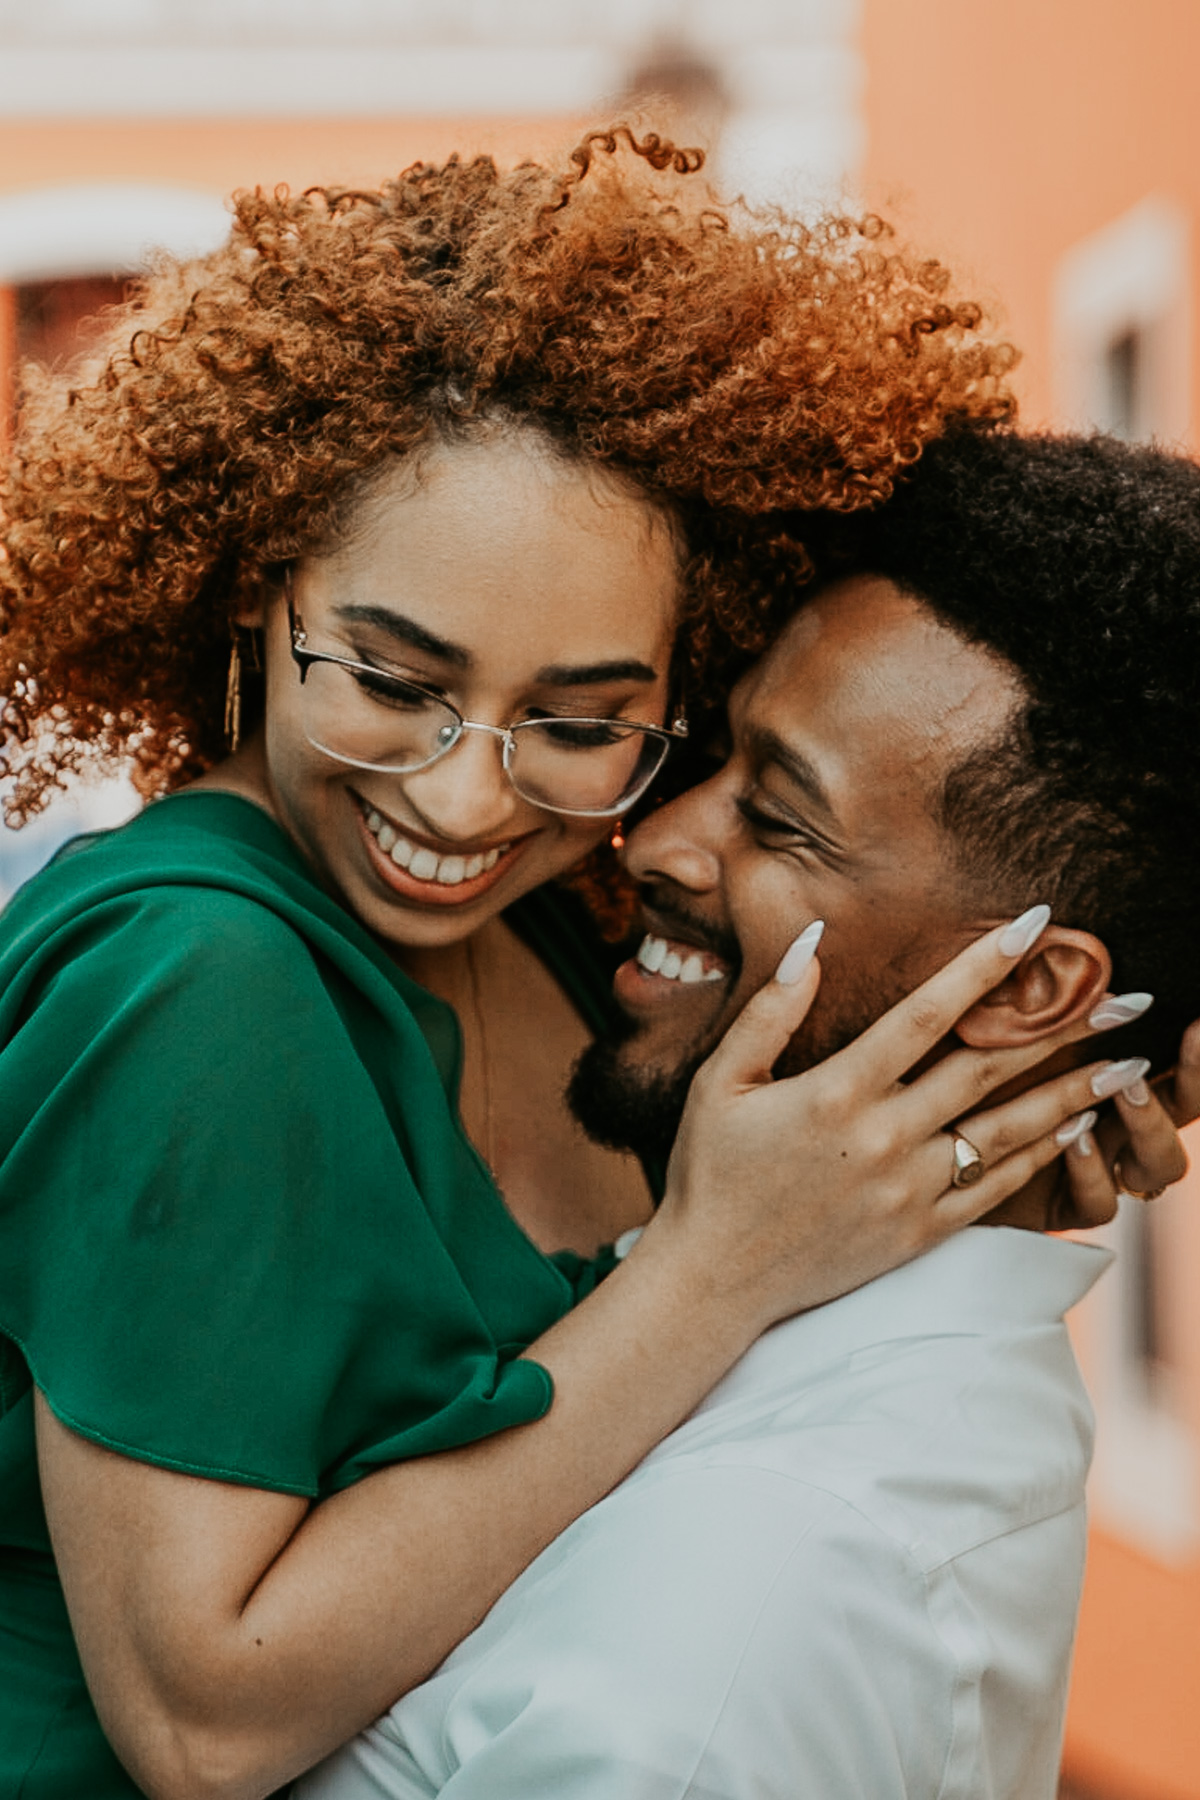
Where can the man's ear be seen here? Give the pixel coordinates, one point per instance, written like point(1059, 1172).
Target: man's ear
point(1062, 979)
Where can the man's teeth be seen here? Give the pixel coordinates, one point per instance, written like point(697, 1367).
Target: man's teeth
point(654, 956)
point(426, 865)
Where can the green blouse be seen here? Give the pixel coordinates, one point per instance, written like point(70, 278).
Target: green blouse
point(242, 1232)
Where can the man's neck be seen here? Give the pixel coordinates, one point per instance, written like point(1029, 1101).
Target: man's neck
point(1036, 1206)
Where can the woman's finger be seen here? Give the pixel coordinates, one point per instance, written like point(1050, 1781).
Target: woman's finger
point(1088, 1195)
point(1183, 1095)
point(1152, 1155)
point(1034, 1115)
point(888, 1049)
point(961, 1081)
point(956, 1207)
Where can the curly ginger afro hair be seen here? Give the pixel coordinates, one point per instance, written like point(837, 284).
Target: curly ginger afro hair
point(728, 365)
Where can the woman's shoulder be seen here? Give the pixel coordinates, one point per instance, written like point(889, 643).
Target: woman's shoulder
point(200, 908)
point(198, 838)
point(202, 868)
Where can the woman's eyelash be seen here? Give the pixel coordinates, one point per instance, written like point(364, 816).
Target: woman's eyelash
point(389, 672)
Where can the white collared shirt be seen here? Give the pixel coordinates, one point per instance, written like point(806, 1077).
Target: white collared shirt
point(852, 1574)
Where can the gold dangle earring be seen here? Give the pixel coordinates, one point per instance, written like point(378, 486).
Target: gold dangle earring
point(233, 697)
point(617, 840)
point(233, 683)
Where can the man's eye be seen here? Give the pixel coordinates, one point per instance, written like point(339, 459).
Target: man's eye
point(767, 824)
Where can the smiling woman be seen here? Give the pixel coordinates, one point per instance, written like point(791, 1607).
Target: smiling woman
point(454, 477)
point(503, 581)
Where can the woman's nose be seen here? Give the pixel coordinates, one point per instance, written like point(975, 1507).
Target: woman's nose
point(679, 842)
point(466, 793)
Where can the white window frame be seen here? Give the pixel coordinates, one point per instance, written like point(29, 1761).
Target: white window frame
point(1132, 275)
point(102, 228)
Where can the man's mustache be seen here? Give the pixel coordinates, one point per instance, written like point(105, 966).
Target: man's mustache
point(673, 919)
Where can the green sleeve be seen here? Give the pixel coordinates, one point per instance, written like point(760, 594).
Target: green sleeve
point(215, 1250)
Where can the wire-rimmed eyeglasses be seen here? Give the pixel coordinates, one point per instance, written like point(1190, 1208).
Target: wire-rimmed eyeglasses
point(370, 719)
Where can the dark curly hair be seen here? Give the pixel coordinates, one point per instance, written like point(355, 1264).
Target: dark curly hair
point(1076, 560)
point(728, 365)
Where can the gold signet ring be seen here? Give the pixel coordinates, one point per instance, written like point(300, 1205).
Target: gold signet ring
point(968, 1164)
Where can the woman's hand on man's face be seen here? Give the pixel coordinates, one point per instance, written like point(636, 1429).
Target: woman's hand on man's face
point(798, 1189)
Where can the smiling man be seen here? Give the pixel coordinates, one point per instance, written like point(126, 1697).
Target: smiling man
point(853, 1574)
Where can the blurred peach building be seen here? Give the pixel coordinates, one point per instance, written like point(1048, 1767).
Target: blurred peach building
point(1049, 150)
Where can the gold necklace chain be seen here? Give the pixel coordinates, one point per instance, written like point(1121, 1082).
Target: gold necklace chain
point(476, 987)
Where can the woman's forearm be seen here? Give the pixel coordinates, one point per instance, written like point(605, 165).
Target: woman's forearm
point(232, 1637)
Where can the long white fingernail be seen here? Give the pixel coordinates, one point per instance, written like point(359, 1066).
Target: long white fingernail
point(1138, 1094)
point(1075, 1128)
point(799, 954)
point(1119, 1009)
point(1119, 1075)
point(1024, 931)
point(1085, 1145)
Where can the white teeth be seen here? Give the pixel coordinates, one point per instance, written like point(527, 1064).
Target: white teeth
point(654, 956)
point(425, 864)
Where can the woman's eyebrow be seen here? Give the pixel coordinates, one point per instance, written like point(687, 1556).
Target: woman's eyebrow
point(767, 746)
point(406, 632)
point(593, 674)
point(418, 637)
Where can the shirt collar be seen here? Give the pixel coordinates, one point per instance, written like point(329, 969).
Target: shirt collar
point(985, 1279)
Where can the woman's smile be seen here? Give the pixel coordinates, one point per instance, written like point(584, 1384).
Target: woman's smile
point(409, 864)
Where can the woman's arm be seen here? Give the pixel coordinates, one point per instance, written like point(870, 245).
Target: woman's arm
point(231, 1636)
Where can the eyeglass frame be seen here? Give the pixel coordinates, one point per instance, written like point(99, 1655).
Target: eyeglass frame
point(304, 658)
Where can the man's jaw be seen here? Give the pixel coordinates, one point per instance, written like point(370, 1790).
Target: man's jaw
point(629, 1088)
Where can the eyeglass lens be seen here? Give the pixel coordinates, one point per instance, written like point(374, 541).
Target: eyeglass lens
point(573, 765)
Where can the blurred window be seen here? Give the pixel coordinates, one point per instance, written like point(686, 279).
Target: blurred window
point(57, 320)
point(1146, 1477)
point(1123, 327)
point(1125, 384)
point(1122, 332)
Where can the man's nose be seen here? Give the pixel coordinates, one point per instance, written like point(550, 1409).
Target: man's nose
point(466, 793)
point(679, 842)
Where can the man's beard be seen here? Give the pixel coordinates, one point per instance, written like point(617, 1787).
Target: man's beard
point(625, 1107)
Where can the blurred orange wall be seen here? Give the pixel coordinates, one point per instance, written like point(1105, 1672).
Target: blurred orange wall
point(218, 155)
point(1003, 131)
point(215, 156)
